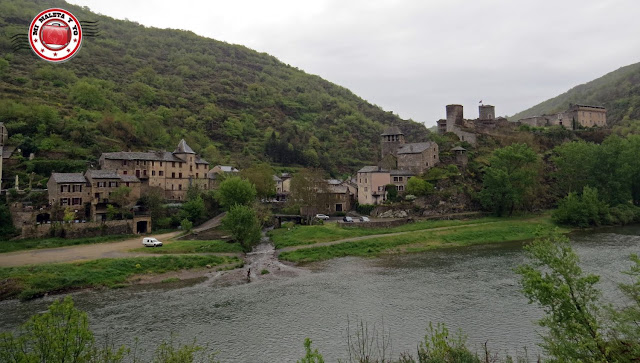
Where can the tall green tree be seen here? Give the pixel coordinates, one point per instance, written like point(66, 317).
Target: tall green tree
point(261, 176)
point(554, 280)
point(243, 224)
point(235, 191)
point(511, 179)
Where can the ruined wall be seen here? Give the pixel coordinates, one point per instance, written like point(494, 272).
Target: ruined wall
point(77, 230)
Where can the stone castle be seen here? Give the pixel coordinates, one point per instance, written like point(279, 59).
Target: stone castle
point(577, 116)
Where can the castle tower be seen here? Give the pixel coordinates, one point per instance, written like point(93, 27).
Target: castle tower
point(486, 112)
point(455, 116)
point(391, 139)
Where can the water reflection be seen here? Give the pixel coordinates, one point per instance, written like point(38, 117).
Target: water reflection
point(471, 288)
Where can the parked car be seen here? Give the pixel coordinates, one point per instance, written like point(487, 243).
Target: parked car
point(151, 242)
point(324, 217)
point(364, 219)
point(347, 219)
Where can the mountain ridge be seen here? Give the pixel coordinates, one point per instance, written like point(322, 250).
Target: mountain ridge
point(139, 88)
point(618, 91)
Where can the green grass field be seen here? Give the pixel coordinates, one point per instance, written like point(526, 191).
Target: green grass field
point(509, 229)
point(215, 246)
point(38, 243)
point(304, 235)
point(27, 282)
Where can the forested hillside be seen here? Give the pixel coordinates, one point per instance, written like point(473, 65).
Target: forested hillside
point(139, 88)
point(618, 91)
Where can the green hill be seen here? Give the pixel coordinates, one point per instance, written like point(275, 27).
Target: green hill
point(140, 88)
point(618, 91)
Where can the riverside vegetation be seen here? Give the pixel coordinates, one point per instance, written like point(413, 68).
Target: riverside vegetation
point(578, 327)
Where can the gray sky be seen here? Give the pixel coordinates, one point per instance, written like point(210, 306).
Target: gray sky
point(415, 57)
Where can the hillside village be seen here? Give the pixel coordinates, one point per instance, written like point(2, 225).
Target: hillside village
point(89, 197)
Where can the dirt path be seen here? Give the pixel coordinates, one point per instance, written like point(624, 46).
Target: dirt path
point(77, 253)
point(211, 223)
point(354, 239)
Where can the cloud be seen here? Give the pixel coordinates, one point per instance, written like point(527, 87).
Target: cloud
point(414, 57)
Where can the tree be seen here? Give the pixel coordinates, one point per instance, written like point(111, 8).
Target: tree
point(569, 299)
point(581, 210)
point(309, 190)
point(418, 186)
point(243, 224)
point(510, 181)
point(194, 208)
point(392, 192)
point(575, 162)
point(261, 176)
point(235, 191)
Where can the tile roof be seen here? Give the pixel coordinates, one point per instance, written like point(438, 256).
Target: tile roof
point(137, 155)
point(276, 178)
point(68, 178)
point(414, 148)
point(372, 169)
point(337, 189)
point(7, 151)
point(402, 172)
point(227, 168)
point(458, 148)
point(183, 148)
point(334, 182)
point(129, 178)
point(200, 160)
point(393, 130)
point(102, 174)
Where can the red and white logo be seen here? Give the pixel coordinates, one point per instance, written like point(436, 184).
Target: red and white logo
point(55, 35)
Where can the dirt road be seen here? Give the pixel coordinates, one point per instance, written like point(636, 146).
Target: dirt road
point(77, 253)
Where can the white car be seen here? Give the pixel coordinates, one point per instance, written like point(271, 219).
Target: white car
point(151, 242)
point(324, 217)
point(364, 219)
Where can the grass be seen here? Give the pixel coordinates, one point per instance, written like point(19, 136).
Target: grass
point(215, 246)
point(38, 243)
point(510, 229)
point(28, 282)
point(304, 235)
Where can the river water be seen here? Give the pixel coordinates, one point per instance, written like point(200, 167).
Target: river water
point(472, 288)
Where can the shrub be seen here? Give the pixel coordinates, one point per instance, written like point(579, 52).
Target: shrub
point(582, 210)
point(186, 225)
point(365, 208)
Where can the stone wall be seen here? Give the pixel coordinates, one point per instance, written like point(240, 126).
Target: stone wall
point(77, 230)
point(378, 224)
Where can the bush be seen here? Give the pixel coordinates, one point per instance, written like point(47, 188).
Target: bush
point(365, 208)
point(582, 210)
point(418, 186)
point(186, 225)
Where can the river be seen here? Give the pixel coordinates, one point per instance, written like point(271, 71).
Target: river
point(472, 288)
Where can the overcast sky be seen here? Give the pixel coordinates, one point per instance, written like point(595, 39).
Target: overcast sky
point(415, 57)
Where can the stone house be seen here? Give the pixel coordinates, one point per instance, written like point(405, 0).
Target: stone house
point(337, 199)
point(89, 194)
point(372, 181)
point(399, 178)
point(575, 117)
point(172, 172)
point(398, 155)
point(68, 189)
point(102, 183)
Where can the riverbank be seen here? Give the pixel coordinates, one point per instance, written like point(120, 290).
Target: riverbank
point(437, 235)
point(28, 282)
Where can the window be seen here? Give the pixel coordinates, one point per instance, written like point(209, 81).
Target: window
point(113, 184)
point(124, 172)
point(173, 175)
point(102, 184)
point(144, 172)
point(197, 175)
point(144, 162)
point(400, 188)
point(76, 201)
point(380, 188)
point(137, 162)
point(434, 156)
point(190, 167)
point(366, 189)
point(365, 180)
point(197, 166)
point(97, 195)
point(180, 175)
point(127, 184)
point(63, 188)
point(179, 186)
point(76, 188)
point(153, 173)
point(153, 163)
point(64, 201)
point(161, 173)
point(171, 186)
point(173, 164)
point(124, 162)
point(161, 163)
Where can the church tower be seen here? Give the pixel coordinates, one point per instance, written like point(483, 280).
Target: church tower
point(391, 139)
